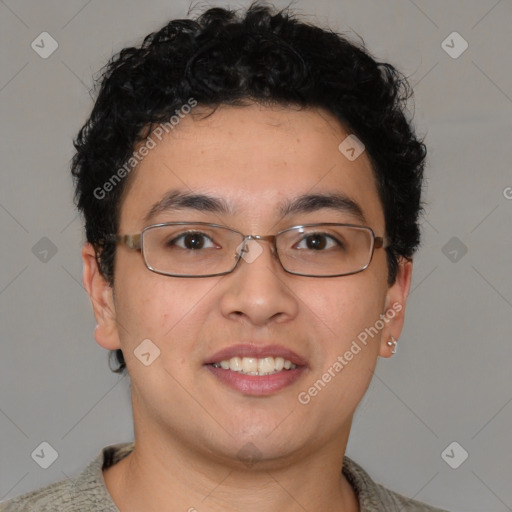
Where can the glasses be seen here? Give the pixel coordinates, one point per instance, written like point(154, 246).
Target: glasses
point(200, 249)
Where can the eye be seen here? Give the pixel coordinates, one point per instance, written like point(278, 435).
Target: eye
point(192, 241)
point(318, 242)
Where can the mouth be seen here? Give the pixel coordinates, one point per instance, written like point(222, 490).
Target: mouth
point(256, 370)
point(256, 366)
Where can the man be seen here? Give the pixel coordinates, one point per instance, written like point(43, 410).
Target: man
point(251, 190)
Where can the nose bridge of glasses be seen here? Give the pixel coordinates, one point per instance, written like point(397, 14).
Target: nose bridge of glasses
point(271, 239)
point(265, 238)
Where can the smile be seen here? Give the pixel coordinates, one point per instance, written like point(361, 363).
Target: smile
point(255, 366)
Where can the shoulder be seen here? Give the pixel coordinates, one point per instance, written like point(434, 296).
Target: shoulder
point(374, 497)
point(57, 496)
point(85, 493)
point(399, 502)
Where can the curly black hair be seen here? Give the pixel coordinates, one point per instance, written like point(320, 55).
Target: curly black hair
point(259, 55)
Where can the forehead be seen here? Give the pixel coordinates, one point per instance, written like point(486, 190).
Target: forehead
point(257, 159)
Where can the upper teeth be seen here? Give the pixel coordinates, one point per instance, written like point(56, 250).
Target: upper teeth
point(255, 366)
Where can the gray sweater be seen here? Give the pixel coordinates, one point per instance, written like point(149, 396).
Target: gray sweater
point(88, 493)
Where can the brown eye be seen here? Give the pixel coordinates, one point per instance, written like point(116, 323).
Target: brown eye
point(319, 242)
point(316, 242)
point(192, 241)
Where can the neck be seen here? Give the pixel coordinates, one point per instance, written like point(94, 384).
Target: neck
point(179, 477)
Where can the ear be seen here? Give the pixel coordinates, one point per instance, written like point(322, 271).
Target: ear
point(394, 307)
point(102, 299)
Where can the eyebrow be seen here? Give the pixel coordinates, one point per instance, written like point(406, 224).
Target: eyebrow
point(313, 202)
point(306, 203)
point(179, 200)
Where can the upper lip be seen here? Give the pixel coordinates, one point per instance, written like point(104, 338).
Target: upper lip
point(258, 351)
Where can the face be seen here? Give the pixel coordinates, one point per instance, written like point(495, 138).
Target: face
point(254, 160)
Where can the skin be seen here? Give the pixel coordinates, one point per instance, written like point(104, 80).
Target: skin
point(189, 427)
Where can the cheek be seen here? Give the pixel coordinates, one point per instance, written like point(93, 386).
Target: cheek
point(346, 306)
point(346, 353)
point(162, 309)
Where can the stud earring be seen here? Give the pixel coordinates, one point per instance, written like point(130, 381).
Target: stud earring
point(392, 343)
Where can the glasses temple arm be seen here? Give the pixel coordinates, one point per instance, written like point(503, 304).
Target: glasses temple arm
point(130, 241)
point(381, 241)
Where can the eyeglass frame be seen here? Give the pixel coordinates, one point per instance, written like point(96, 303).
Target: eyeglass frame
point(136, 242)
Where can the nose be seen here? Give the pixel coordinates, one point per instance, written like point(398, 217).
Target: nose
point(258, 290)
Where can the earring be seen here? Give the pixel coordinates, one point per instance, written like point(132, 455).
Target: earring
point(392, 343)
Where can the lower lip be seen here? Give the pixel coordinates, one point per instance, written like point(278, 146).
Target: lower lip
point(256, 385)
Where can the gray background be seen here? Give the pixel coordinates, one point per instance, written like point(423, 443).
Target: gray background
point(451, 379)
